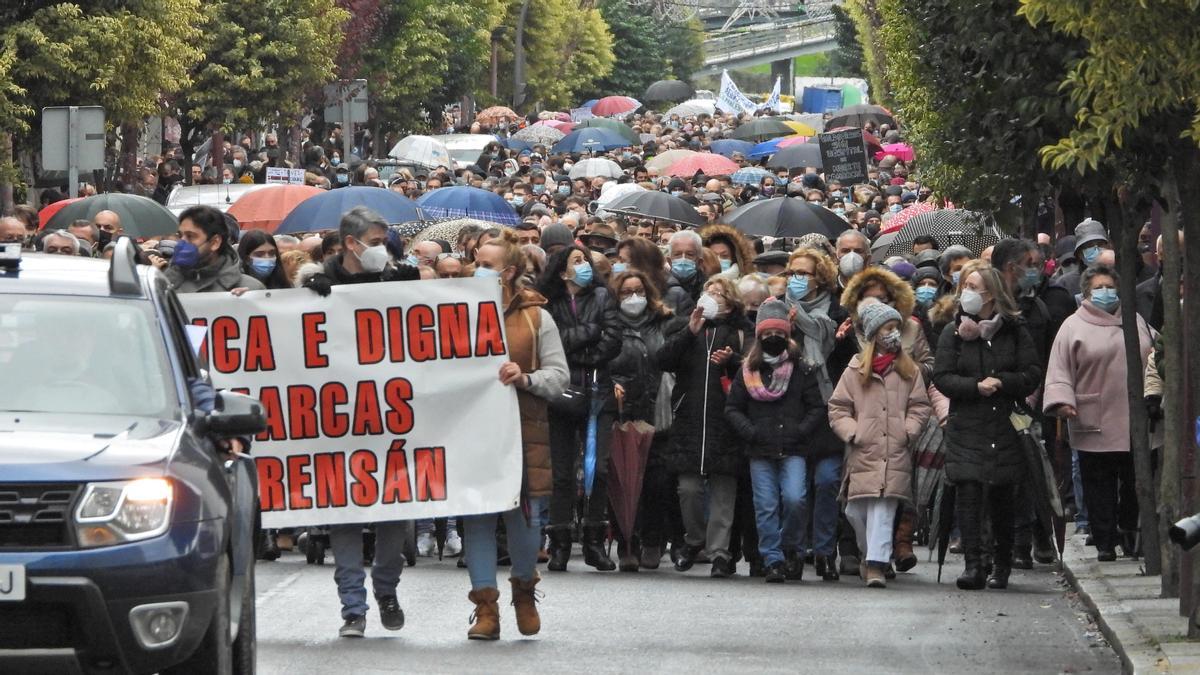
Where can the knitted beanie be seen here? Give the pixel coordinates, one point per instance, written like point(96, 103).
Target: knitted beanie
point(873, 316)
point(772, 314)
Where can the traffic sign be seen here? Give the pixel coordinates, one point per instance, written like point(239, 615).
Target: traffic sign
point(346, 96)
point(73, 140)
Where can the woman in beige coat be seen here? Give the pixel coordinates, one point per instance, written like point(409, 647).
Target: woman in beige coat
point(878, 408)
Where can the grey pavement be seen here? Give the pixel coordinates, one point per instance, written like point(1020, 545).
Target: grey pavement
point(666, 622)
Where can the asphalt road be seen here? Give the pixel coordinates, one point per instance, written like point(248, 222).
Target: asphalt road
point(666, 622)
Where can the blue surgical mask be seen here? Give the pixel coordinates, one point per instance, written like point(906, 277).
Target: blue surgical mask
point(726, 264)
point(186, 255)
point(677, 193)
point(1103, 298)
point(619, 268)
point(1091, 254)
point(564, 189)
point(336, 160)
point(682, 268)
point(797, 287)
point(343, 178)
point(954, 277)
point(539, 188)
point(262, 267)
point(840, 212)
point(518, 200)
point(926, 294)
point(583, 275)
point(486, 273)
point(1030, 278)
point(411, 259)
point(895, 208)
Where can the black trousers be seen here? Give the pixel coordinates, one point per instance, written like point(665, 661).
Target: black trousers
point(658, 508)
point(567, 438)
point(1110, 496)
point(974, 503)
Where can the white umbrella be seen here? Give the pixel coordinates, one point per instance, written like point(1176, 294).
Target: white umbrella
point(610, 192)
point(693, 107)
point(539, 133)
point(596, 166)
point(422, 150)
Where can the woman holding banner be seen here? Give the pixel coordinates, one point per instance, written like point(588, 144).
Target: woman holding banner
point(538, 370)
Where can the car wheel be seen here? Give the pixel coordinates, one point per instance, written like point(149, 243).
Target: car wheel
point(245, 647)
point(214, 655)
point(317, 547)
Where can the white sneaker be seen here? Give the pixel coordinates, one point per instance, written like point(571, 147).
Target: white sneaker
point(453, 545)
point(426, 545)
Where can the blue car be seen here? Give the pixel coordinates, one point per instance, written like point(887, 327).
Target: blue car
point(126, 530)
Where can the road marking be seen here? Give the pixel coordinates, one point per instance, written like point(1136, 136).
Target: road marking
point(277, 588)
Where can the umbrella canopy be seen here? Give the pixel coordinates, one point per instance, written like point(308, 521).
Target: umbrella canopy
point(902, 151)
point(706, 163)
point(551, 115)
point(762, 128)
point(590, 140)
point(882, 244)
point(751, 175)
point(814, 120)
point(658, 206)
point(728, 146)
point(801, 128)
point(785, 217)
point(662, 161)
point(947, 226)
point(565, 126)
point(627, 468)
point(668, 90)
point(596, 166)
point(615, 105)
point(797, 157)
point(496, 113)
point(899, 220)
point(858, 115)
point(140, 216)
point(447, 230)
point(422, 151)
point(325, 211)
point(514, 143)
point(52, 208)
point(464, 201)
point(265, 209)
point(622, 129)
point(611, 192)
point(539, 134)
point(770, 147)
point(693, 108)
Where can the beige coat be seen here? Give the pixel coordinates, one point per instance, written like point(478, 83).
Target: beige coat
point(879, 421)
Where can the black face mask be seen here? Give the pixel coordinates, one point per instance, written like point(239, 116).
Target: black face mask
point(774, 345)
point(105, 238)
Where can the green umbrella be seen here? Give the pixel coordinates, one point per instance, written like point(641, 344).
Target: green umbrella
point(623, 130)
point(140, 216)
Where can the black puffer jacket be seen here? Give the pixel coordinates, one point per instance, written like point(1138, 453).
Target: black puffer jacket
point(591, 334)
point(773, 429)
point(636, 368)
point(981, 444)
point(681, 297)
point(702, 441)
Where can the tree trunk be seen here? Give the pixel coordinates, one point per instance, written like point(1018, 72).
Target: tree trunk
point(1123, 229)
point(6, 161)
point(1170, 504)
point(127, 163)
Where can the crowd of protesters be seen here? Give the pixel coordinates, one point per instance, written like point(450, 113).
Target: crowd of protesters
point(792, 383)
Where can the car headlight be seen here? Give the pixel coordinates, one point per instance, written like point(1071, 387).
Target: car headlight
point(123, 511)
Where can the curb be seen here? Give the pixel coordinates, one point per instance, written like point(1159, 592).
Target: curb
point(1138, 649)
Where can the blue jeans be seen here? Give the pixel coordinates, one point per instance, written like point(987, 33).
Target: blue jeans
point(823, 506)
point(347, 543)
point(1081, 514)
point(779, 492)
point(524, 538)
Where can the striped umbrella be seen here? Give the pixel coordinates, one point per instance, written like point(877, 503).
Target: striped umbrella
point(751, 175)
point(900, 219)
point(948, 226)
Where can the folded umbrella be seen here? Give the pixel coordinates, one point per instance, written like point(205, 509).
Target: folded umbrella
point(589, 448)
point(1040, 476)
point(627, 468)
point(785, 217)
point(943, 522)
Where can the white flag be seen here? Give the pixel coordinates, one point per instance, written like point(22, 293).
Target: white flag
point(731, 99)
point(772, 103)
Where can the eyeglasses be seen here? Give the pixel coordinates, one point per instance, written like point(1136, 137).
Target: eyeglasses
point(640, 292)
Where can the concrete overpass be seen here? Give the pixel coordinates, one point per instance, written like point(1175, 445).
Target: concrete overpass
point(767, 38)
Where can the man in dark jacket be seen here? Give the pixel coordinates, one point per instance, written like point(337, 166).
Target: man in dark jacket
point(204, 259)
point(686, 281)
point(364, 259)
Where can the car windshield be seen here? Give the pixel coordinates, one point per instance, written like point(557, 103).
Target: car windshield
point(464, 155)
point(82, 355)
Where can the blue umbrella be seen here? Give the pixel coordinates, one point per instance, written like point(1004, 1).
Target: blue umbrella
point(766, 148)
point(590, 139)
point(464, 201)
point(589, 104)
point(516, 144)
point(728, 146)
point(751, 175)
point(325, 211)
point(589, 449)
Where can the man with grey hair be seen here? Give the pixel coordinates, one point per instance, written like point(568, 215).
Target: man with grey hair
point(686, 281)
point(286, 242)
point(60, 242)
point(364, 258)
point(853, 255)
point(12, 231)
point(950, 265)
point(754, 291)
point(87, 234)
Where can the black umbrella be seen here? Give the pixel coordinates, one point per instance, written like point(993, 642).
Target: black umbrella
point(948, 226)
point(858, 115)
point(943, 515)
point(1044, 489)
point(797, 156)
point(785, 217)
point(762, 129)
point(668, 90)
point(658, 206)
point(140, 216)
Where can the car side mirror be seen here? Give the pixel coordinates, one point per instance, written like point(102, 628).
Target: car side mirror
point(235, 415)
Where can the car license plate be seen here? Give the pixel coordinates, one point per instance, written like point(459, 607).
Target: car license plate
point(12, 583)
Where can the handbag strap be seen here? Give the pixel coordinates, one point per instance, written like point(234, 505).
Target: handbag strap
point(532, 331)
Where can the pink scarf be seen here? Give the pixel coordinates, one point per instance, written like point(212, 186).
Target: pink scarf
point(970, 330)
point(780, 376)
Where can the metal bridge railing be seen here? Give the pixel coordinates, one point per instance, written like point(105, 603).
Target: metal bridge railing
point(748, 44)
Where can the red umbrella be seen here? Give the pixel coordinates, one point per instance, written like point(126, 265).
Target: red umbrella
point(615, 105)
point(627, 467)
point(563, 126)
point(52, 208)
point(264, 209)
point(901, 219)
point(708, 163)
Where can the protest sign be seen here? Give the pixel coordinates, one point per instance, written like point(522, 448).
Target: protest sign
point(285, 176)
point(383, 400)
point(844, 156)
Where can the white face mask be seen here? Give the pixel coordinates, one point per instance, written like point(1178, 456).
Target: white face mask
point(850, 264)
point(971, 301)
point(709, 305)
point(634, 305)
point(374, 259)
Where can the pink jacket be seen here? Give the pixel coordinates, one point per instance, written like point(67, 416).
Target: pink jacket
point(1087, 372)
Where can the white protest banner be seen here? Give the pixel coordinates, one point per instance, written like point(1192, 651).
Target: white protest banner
point(285, 176)
point(773, 103)
point(731, 99)
point(383, 400)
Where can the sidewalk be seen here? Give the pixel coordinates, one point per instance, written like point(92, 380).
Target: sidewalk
point(1145, 630)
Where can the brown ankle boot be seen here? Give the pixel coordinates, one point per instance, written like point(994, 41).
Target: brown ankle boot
point(486, 616)
point(902, 549)
point(525, 598)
